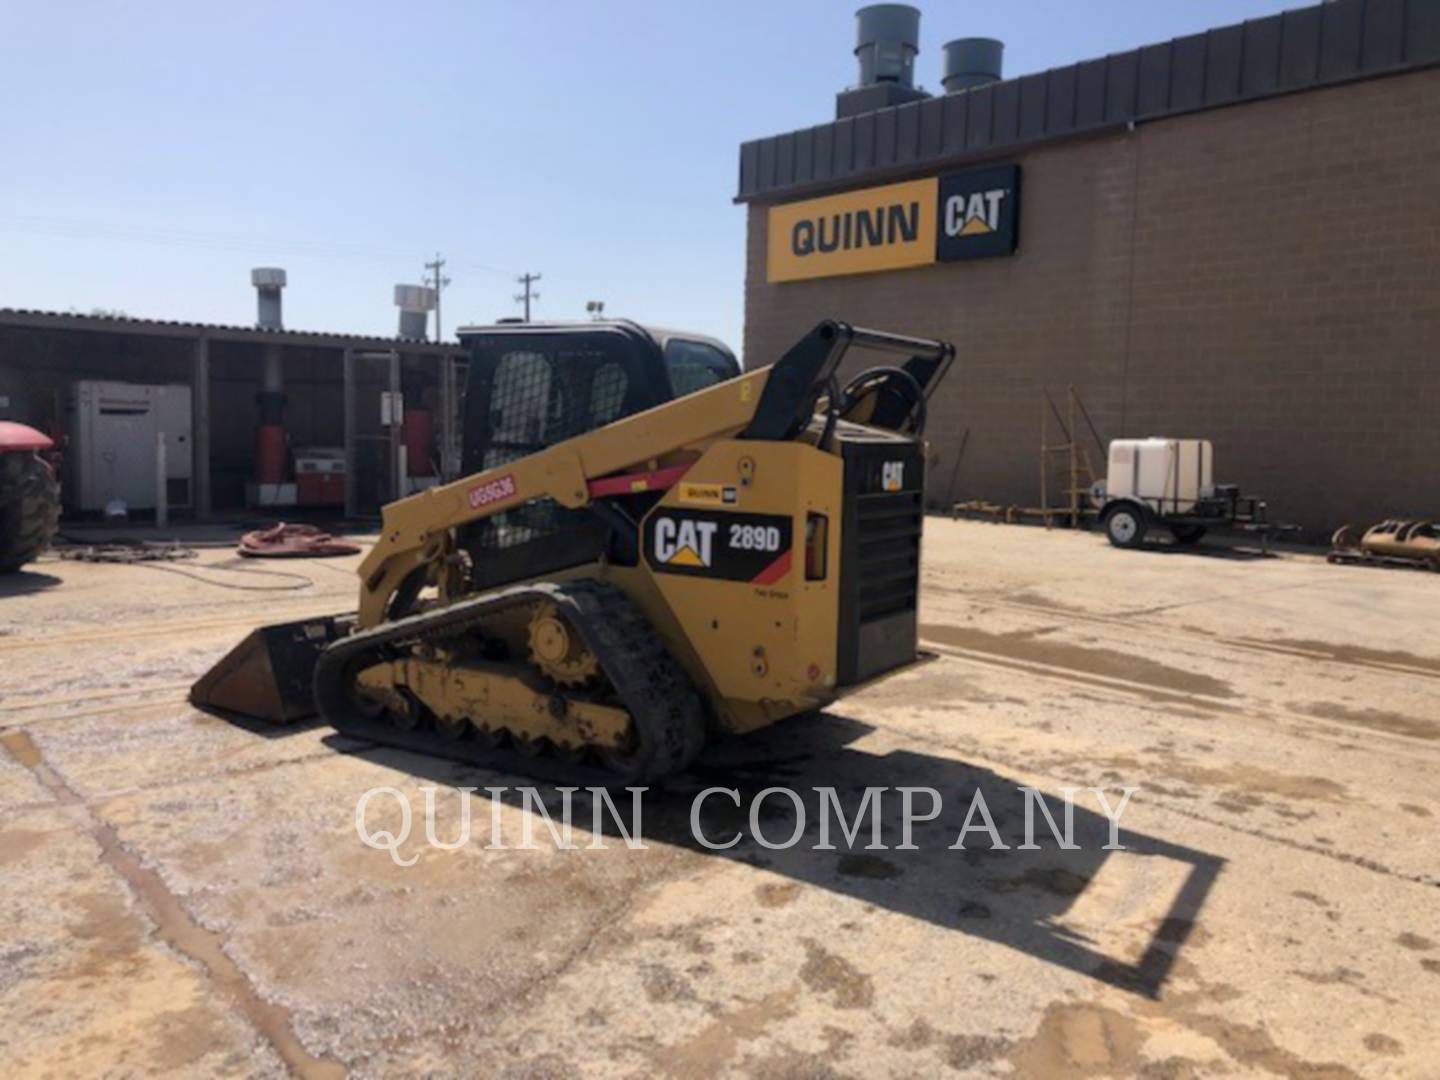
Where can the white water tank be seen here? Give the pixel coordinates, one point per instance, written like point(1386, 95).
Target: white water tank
point(1168, 475)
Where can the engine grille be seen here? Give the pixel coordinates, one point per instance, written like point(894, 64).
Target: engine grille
point(880, 560)
point(889, 549)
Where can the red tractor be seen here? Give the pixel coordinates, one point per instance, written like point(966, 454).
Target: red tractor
point(29, 496)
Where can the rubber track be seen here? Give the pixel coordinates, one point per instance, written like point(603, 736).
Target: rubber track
point(29, 509)
point(664, 707)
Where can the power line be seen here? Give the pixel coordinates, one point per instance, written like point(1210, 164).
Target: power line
point(485, 267)
point(105, 231)
point(529, 294)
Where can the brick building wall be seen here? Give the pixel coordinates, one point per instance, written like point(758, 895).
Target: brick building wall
point(1265, 275)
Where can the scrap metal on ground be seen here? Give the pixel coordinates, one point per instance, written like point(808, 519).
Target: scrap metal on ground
point(1396, 542)
point(127, 551)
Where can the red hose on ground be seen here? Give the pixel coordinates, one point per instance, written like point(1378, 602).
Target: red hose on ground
point(294, 542)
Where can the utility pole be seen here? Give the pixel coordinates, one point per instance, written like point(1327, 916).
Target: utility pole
point(529, 294)
point(437, 282)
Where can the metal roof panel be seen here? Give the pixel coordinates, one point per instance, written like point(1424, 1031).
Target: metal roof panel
point(31, 318)
point(1297, 50)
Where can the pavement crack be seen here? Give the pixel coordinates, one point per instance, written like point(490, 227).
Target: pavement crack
point(1224, 598)
point(176, 928)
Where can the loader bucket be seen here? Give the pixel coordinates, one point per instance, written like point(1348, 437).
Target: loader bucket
point(268, 675)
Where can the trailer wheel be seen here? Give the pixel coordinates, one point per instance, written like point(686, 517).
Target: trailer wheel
point(1125, 525)
point(1187, 534)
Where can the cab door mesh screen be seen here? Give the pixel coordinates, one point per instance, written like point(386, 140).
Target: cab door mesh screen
point(538, 399)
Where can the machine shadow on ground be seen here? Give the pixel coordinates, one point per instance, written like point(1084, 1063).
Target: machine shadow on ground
point(1212, 550)
point(266, 729)
point(1232, 546)
point(1018, 898)
point(24, 582)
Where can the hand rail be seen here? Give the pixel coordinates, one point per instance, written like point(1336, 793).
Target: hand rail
point(884, 341)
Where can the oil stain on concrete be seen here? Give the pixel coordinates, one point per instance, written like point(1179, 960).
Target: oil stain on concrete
point(1028, 646)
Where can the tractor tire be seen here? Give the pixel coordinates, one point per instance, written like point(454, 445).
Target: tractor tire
point(1126, 525)
point(29, 509)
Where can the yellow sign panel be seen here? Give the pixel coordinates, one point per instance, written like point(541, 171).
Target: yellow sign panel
point(881, 228)
point(708, 494)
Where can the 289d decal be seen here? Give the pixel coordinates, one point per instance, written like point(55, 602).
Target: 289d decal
point(755, 537)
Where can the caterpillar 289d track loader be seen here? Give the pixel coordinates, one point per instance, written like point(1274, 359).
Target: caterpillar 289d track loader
point(598, 596)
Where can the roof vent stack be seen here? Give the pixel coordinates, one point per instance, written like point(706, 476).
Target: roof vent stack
point(887, 40)
point(415, 303)
point(972, 62)
point(268, 281)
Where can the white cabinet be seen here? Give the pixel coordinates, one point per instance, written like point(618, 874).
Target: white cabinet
point(113, 432)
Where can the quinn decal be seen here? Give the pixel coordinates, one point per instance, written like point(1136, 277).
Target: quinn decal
point(709, 494)
point(485, 494)
point(962, 215)
point(882, 228)
point(735, 547)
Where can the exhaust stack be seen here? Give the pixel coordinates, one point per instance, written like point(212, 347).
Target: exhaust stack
point(271, 446)
point(268, 282)
point(415, 303)
point(972, 62)
point(887, 40)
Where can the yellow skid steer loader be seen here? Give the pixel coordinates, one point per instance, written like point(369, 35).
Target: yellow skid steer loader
point(630, 564)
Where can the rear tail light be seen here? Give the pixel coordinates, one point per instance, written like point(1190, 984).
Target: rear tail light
point(817, 536)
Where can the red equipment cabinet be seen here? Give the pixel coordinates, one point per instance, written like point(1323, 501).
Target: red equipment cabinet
point(320, 477)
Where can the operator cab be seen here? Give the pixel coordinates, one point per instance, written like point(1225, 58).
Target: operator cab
point(532, 385)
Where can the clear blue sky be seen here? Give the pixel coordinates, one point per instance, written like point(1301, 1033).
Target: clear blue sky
point(154, 152)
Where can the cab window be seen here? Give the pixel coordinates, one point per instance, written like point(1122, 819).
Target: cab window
point(694, 365)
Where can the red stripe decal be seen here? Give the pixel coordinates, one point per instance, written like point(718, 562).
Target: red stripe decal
point(631, 483)
point(774, 572)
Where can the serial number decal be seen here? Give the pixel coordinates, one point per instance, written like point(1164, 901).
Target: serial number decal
point(730, 546)
point(485, 494)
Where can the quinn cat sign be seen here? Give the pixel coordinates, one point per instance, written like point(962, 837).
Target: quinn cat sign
point(939, 219)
